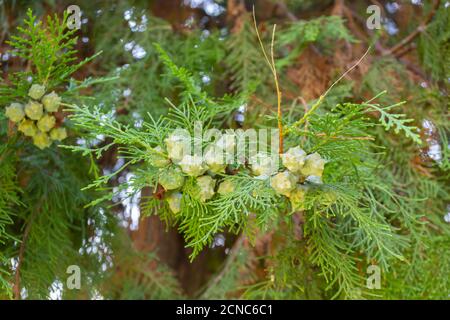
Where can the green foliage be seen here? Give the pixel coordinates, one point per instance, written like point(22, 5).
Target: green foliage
point(227, 283)
point(349, 218)
point(9, 198)
point(142, 276)
point(291, 276)
point(42, 208)
point(244, 59)
point(323, 30)
point(434, 45)
point(343, 215)
point(49, 48)
point(396, 121)
point(54, 202)
point(394, 76)
point(129, 54)
point(197, 221)
point(425, 276)
point(301, 5)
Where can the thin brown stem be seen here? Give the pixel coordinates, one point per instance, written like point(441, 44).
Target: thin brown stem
point(272, 67)
point(277, 86)
point(305, 108)
point(322, 97)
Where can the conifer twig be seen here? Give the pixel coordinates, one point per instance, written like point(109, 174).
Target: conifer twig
point(322, 97)
point(271, 63)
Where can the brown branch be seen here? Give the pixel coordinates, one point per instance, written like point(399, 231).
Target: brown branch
point(339, 7)
point(421, 28)
point(405, 50)
point(298, 219)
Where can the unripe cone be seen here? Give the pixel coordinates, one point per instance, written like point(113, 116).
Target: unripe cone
point(314, 179)
point(294, 159)
point(157, 158)
point(34, 110)
point(171, 179)
point(28, 128)
point(177, 146)
point(58, 134)
point(263, 165)
point(51, 102)
point(174, 201)
point(283, 182)
point(193, 165)
point(36, 91)
point(297, 197)
point(206, 186)
point(46, 123)
point(15, 112)
point(314, 165)
point(226, 187)
point(214, 158)
point(42, 140)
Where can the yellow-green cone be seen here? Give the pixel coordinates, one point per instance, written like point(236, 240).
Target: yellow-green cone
point(171, 179)
point(15, 112)
point(36, 91)
point(174, 201)
point(51, 102)
point(46, 123)
point(58, 134)
point(297, 197)
point(206, 187)
point(28, 128)
point(314, 165)
point(34, 110)
point(283, 182)
point(42, 140)
point(226, 187)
